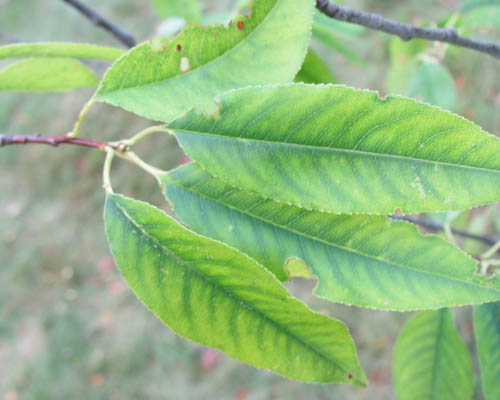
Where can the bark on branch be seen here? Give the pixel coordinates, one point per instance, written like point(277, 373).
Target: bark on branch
point(102, 22)
point(404, 31)
point(55, 141)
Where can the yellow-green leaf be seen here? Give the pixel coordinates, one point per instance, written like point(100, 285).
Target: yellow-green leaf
point(219, 297)
point(162, 82)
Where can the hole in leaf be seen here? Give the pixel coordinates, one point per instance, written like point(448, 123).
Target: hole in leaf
point(184, 65)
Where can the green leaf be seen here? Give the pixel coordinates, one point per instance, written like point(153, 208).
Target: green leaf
point(219, 297)
point(60, 49)
point(482, 18)
point(431, 360)
point(47, 74)
point(468, 5)
point(161, 83)
point(330, 40)
point(314, 70)
point(343, 150)
point(402, 52)
point(335, 26)
point(368, 261)
point(487, 331)
point(398, 76)
point(190, 10)
point(403, 63)
point(433, 84)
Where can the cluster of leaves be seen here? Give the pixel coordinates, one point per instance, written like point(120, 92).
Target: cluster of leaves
point(287, 171)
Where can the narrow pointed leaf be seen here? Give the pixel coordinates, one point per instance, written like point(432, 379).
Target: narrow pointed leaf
point(162, 82)
point(47, 74)
point(343, 150)
point(60, 49)
point(487, 332)
point(219, 297)
point(368, 261)
point(431, 360)
point(330, 39)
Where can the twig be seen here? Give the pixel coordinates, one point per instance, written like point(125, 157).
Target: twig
point(99, 20)
point(436, 226)
point(404, 31)
point(6, 140)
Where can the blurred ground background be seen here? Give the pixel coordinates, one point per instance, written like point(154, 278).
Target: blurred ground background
point(69, 327)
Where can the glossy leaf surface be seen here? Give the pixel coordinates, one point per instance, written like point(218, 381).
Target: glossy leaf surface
point(343, 150)
point(162, 82)
point(487, 332)
point(47, 74)
point(368, 261)
point(219, 297)
point(431, 360)
point(60, 49)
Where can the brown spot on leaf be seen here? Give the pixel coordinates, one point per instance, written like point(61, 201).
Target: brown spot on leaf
point(349, 376)
point(179, 47)
point(241, 25)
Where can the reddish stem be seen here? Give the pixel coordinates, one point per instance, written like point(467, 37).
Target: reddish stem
point(6, 140)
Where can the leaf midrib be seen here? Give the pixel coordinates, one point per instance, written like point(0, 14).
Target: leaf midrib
point(335, 150)
point(323, 241)
point(437, 352)
point(230, 294)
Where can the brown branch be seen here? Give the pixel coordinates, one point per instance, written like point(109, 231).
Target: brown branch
point(437, 227)
point(102, 22)
point(55, 141)
point(404, 31)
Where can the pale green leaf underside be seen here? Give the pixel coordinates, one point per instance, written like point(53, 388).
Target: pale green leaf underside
point(361, 260)
point(482, 18)
point(267, 48)
point(190, 10)
point(433, 84)
point(219, 297)
point(47, 74)
point(487, 332)
point(431, 360)
point(60, 49)
point(343, 150)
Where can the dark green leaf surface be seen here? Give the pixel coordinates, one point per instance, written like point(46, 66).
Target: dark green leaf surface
point(367, 261)
point(60, 49)
point(163, 82)
point(431, 361)
point(342, 150)
point(47, 74)
point(314, 70)
point(219, 297)
point(487, 331)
